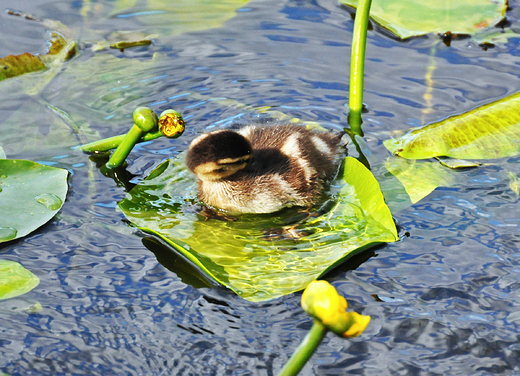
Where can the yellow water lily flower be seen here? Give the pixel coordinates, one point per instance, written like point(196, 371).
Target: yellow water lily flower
point(321, 300)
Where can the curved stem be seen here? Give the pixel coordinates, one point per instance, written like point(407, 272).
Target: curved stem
point(113, 142)
point(357, 66)
point(118, 158)
point(305, 350)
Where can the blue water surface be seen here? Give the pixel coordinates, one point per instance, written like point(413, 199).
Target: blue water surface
point(443, 301)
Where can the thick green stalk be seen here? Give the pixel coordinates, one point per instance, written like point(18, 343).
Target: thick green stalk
point(357, 66)
point(118, 158)
point(305, 350)
point(113, 142)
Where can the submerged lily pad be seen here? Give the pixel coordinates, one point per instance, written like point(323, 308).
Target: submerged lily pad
point(30, 195)
point(168, 18)
point(238, 255)
point(410, 18)
point(487, 132)
point(15, 280)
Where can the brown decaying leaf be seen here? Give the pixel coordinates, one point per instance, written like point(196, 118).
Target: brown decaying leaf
point(12, 66)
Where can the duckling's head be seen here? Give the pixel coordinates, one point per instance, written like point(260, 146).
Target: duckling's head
point(219, 154)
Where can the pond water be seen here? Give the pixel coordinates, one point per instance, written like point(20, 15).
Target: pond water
point(443, 301)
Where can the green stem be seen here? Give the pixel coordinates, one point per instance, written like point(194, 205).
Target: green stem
point(305, 350)
point(357, 67)
point(113, 142)
point(118, 158)
point(361, 157)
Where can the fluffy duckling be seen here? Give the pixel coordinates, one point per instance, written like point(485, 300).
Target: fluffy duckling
point(263, 169)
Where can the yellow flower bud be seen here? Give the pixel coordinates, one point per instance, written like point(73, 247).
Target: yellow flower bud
point(171, 124)
point(358, 326)
point(322, 301)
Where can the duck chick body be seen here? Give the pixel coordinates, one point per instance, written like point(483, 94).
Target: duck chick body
point(263, 169)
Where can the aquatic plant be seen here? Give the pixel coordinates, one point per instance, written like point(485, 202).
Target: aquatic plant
point(30, 195)
point(412, 18)
point(146, 127)
point(357, 67)
point(328, 309)
point(487, 132)
point(15, 280)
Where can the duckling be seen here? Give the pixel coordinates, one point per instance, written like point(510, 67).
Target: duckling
point(263, 169)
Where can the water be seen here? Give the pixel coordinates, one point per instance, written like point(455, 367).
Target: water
point(443, 301)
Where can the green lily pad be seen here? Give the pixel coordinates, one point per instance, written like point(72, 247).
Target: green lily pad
point(410, 18)
point(419, 179)
point(15, 280)
point(238, 255)
point(30, 195)
point(167, 19)
point(487, 132)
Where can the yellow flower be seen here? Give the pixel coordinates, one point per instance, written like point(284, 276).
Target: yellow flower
point(171, 124)
point(322, 301)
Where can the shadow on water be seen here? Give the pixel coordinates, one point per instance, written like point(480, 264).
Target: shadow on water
point(176, 263)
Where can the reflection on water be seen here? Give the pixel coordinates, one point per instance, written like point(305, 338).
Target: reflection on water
point(442, 301)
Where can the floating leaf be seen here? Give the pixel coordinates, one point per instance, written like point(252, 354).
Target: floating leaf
point(489, 131)
point(410, 18)
point(419, 179)
point(12, 66)
point(494, 36)
point(31, 194)
point(166, 18)
point(56, 44)
point(124, 44)
point(15, 280)
point(238, 254)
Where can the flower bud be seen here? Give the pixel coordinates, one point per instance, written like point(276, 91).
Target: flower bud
point(146, 119)
point(171, 124)
point(323, 303)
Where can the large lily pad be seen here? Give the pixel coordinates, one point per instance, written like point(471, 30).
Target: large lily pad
point(15, 280)
point(238, 255)
point(490, 131)
point(409, 18)
point(30, 195)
